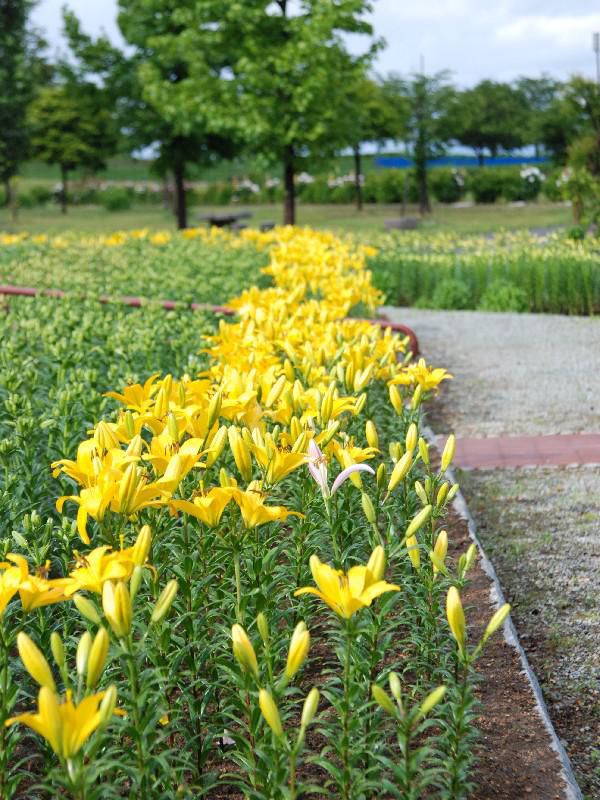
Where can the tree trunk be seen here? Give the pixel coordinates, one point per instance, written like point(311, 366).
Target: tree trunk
point(63, 190)
point(358, 179)
point(180, 206)
point(289, 200)
point(11, 199)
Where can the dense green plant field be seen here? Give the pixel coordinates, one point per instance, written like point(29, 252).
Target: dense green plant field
point(162, 266)
point(507, 272)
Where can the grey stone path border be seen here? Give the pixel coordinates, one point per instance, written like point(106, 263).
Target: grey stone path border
point(572, 790)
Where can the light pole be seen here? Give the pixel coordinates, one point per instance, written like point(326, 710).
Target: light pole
point(596, 45)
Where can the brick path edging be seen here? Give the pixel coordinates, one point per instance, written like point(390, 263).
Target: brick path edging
point(560, 450)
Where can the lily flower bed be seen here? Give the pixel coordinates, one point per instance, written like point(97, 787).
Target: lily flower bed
point(249, 592)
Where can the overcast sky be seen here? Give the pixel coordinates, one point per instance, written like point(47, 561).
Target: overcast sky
point(475, 39)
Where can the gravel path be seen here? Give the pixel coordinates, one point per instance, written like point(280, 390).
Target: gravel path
point(530, 374)
point(514, 373)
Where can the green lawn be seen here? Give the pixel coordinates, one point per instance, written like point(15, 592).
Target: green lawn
point(478, 219)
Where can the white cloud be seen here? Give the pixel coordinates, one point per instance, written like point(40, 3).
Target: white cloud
point(562, 31)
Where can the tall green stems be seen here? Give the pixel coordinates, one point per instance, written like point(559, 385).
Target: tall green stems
point(345, 749)
point(238, 585)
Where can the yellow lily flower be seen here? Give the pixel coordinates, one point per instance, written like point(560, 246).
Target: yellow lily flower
point(64, 726)
point(34, 590)
point(254, 511)
point(98, 566)
point(345, 593)
point(208, 507)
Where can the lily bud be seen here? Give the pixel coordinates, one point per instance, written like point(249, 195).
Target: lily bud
point(396, 451)
point(309, 709)
point(241, 453)
point(331, 431)
point(276, 391)
point(127, 488)
point(129, 424)
point(243, 650)
point(411, 437)
point(270, 712)
point(263, 627)
point(496, 622)
point(400, 471)
point(172, 426)
point(381, 476)
point(424, 451)
point(421, 493)
point(86, 608)
point(58, 650)
point(217, 444)
point(164, 602)
point(440, 549)
point(395, 686)
point(299, 646)
point(414, 553)
point(214, 408)
point(416, 398)
point(135, 581)
point(116, 604)
point(368, 508)
point(141, 548)
point(83, 653)
point(442, 494)
point(360, 404)
point(448, 452)
point(418, 521)
point(97, 658)
point(456, 617)
point(431, 701)
point(453, 492)
point(108, 703)
point(289, 371)
point(395, 399)
point(382, 699)
point(371, 434)
point(34, 661)
point(135, 446)
point(376, 564)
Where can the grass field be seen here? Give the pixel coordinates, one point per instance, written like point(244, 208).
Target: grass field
point(477, 219)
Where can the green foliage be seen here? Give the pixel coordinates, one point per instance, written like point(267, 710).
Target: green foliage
point(488, 117)
point(115, 199)
point(452, 293)
point(447, 186)
point(18, 75)
point(541, 274)
point(486, 185)
point(502, 295)
point(179, 269)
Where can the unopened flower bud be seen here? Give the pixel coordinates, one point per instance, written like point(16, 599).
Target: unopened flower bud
point(164, 602)
point(309, 709)
point(368, 508)
point(270, 712)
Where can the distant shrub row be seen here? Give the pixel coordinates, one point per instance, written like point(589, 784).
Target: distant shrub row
point(486, 185)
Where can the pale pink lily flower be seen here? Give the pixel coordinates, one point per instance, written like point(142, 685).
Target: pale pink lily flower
point(317, 465)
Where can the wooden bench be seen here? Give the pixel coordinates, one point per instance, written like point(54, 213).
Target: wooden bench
point(402, 224)
point(227, 220)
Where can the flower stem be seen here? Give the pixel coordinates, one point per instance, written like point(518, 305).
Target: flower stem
point(347, 773)
point(238, 586)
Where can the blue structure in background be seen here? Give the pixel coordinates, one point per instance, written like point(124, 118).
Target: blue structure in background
point(401, 162)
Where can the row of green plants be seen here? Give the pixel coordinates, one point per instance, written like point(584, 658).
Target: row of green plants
point(260, 597)
point(508, 272)
point(486, 185)
point(174, 267)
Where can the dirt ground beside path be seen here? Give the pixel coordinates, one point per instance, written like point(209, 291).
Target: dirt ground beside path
point(526, 374)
